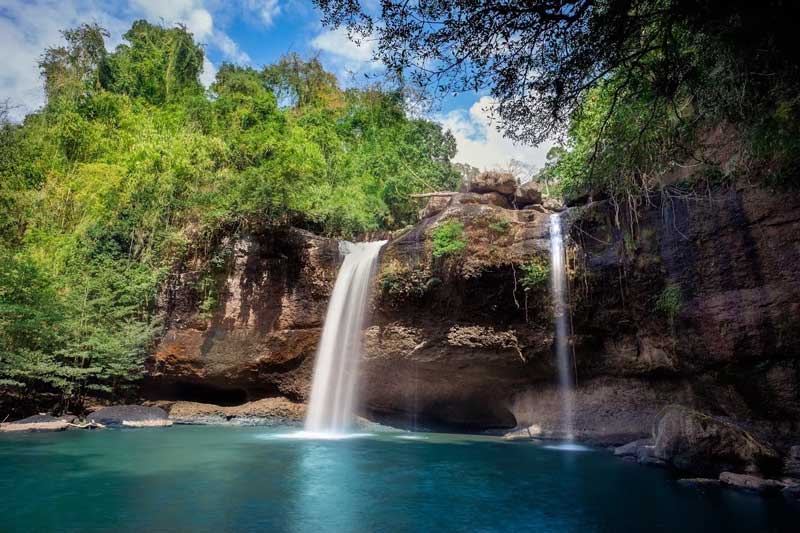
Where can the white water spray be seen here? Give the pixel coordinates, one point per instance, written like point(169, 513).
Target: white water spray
point(333, 389)
point(560, 296)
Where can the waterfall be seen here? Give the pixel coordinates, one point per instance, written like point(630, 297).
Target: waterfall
point(333, 389)
point(560, 296)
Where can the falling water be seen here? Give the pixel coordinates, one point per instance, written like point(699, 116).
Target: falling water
point(560, 296)
point(333, 389)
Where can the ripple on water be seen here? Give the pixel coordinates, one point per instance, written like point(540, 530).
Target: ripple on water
point(568, 447)
point(312, 435)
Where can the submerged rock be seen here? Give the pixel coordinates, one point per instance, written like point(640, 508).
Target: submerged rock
point(689, 440)
point(699, 482)
point(130, 416)
point(646, 455)
point(792, 493)
point(632, 448)
point(750, 482)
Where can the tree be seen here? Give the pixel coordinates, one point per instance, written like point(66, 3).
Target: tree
point(158, 64)
point(539, 58)
point(300, 83)
point(71, 70)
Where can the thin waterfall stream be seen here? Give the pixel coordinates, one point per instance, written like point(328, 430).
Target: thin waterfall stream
point(560, 296)
point(334, 386)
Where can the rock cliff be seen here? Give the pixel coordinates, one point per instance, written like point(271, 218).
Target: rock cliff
point(243, 318)
point(696, 301)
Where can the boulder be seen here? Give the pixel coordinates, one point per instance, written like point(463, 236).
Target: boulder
point(435, 205)
point(689, 440)
point(792, 493)
point(646, 455)
point(791, 465)
point(489, 198)
point(632, 448)
point(552, 204)
point(499, 182)
point(750, 482)
point(129, 415)
point(527, 194)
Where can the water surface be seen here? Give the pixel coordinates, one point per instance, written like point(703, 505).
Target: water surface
point(189, 478)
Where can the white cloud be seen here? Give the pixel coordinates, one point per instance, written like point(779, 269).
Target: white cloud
point(26, 30)
point(188, 12)
point(266, 10)
point(480, 144)
point(343, 54)
point(229, 48)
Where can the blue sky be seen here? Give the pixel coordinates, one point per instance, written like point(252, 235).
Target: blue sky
point(247, 32)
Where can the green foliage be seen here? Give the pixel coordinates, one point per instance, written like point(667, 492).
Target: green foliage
point(101, 190)
point(500, 226)
point(158, 64)
point(448, 239)
point(670, 302)
point(400, 283)
point(535, 275)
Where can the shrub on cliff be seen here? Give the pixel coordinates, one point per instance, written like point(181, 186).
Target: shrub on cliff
point(448, 239)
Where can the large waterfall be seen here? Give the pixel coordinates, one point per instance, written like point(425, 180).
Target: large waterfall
point(560, 296)
point(333, 391)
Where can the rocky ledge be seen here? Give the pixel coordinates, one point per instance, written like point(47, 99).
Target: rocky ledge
point(264, 412)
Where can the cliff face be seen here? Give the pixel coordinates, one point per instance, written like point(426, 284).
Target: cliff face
point(695, 302)
point(258, 339)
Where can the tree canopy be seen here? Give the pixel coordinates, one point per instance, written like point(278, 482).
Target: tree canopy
point(626, 84)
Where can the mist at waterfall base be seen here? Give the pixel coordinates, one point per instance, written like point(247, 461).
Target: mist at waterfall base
point(561, 322)
point(209, 479)
point(334, 386)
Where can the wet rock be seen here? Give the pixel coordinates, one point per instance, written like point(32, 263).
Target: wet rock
point(632, 448)
point(264, 412)
point(646, 455)
point(750, 482)
point(499, 182)
point(129, 415)
point(699, 482)
point(527, 194)
point(35, 424)
point(526, 433)
point(792, 493)
point(689, 440)
point(791, 465)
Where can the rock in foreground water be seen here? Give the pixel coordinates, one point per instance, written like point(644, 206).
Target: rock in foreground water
point(267, 411)
point(750, 482)
point(130, 416)
point(690, 440)
point(36, 423)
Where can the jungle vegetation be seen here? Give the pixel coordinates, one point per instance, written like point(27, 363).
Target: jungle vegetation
point(131, 159)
